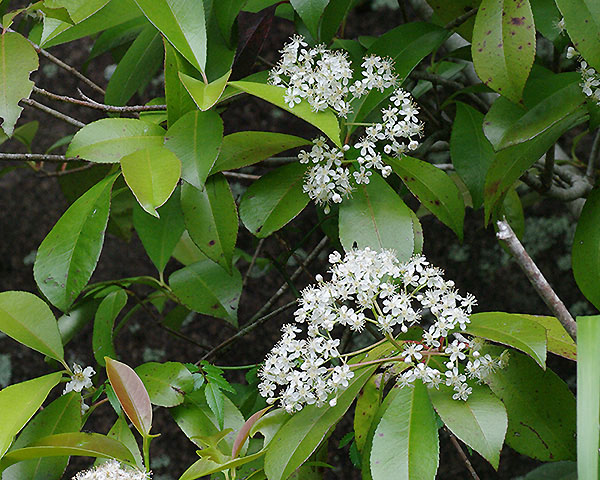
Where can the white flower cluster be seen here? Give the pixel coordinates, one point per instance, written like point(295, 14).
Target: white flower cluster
point(112, 470)
point(322, 77)
point(368, 286)
point(590, 79)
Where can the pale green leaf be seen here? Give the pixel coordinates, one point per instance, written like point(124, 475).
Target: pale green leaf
point(102, 338)
point(166, 383)
point(205, 95)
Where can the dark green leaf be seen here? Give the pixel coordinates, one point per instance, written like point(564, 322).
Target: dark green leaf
point(582, 20)
point(178, 99)
point(211, 219)
point(310, 11)
point(434, 189)
point(504, 45)
point(553, 471)
point(367, 405)
point(68, 255)
point(108, 310)
point(334, 14)
point(166, 383)
point(215, 400)
point(376, 217)
point(207, 288)
point(445, 12)
point(274, 200)
point(586, 249)
point(196, 140)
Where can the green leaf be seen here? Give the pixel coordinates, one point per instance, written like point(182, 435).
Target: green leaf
point(182, 22)
point(434, 189)
point(540, 407)
point(582, 20)
point(480, 421)
point(553, 471)
point(78, 10)
point(207, 288)
point(559, 341)
point(166, 383)
point(19, 402)
point(512, 330)
point(226, 14)
point(310, 11)
point(215, 400)
point(207, 467)
point(244, 432)
point(503, 46)
point(334, 14)
point(325, 121)
point(102, 338)
point(186, 251)
point(205, 95)
point(110, 139)
point(586, 249)
point(375, 216)
point(445, 12)
point(274, 200)
point(406, 445)
point(27, 319)
point(513, 161)
point(367, 405)
point(211, 219)
point(196, 140)
point(66, 444)
point(588, 396)
point(178, 99)
point(68, 255)
point(241, 149)
point(137, 67)
point(304, 432)
point(407, 45)
point(546, 16)
point(17, 60)
point(121, 432)
point(26, 133)
point(132, 395)
point(471, 152)
point(160, 235)
point(152, 174)
point(61, 416)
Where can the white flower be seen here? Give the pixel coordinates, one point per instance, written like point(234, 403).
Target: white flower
point(80, 379)
point(112, 470)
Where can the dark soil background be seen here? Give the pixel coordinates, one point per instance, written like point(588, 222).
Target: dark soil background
point(32, 203)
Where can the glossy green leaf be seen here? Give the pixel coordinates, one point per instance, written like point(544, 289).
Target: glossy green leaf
point(66, 444)
point(586, 249)
point(110, 139)
point(78, 10)
point(407, 45)
point(205, 467)
point(121, 432)
point(564, 470)
point(178, 99)
point(376, 217)
point(434, 189)
point(504, 45)
point(367, 403)
point(27, 319)
point(304, 432)
point(588, 396)
point(512, 210)
point(405, 444)
point(102, 338)
point(480, 421)
point(215, 400)
point(182, 23)
point(131, 393)
point(207, 288)
point(19, 402)
point(540, 407)
point(68, 255)
point(512, 330)
point(274, 200)
point(334, 14)
point(166, 383)
point(186, 251)
point(226, 14)
point(152, 174)
point(211, 219)
point(310, 11)
point(582, 21)
point(17, 60)
point(470, 150)
point(61, 416)
point(137, 67)
point(325, 121)
point(205, 95)
point(196, 140)
point(513, 161)
point(244, 432)
point(241, 149)
point(500, 117)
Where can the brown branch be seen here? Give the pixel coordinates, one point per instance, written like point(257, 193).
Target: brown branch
point(62, 173)
point(463, 455)
point(253, 261)
point(458, 21)
point(54, 113)
point(36, 157)
point(241, 176)
point(536, 278)
point(99, 106)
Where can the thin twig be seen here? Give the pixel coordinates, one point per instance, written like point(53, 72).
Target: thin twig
point(241, 176)
point(294, 254)
point(61, 173)
point(36, 157)
point(99, 106)
point(253, 261)
point(533, 273)
point(54, 113)
point(458, 21)
point(463, 455)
